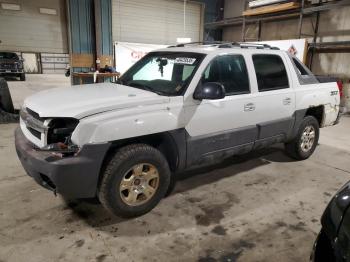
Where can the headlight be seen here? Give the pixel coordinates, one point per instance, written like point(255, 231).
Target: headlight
point(19, 65)
point(60, 130)
point(58, 137)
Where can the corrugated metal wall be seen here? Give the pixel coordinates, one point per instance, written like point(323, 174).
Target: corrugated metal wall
point(155, 21)
point(81, 19)
point(103, 25)
point(28, 30)
point(103, 29)
point(82, 35)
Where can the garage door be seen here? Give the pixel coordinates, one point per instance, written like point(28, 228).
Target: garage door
point(54, 63)
point(155, 21)
point(35, 26)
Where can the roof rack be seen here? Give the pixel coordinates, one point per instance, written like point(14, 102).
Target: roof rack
point(258, 46)
point(220, 44)
point(247, 45)
point(212, 43)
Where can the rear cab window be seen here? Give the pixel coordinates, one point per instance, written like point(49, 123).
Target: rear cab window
point(300, 68)
point(305, 76)
point(270, 72)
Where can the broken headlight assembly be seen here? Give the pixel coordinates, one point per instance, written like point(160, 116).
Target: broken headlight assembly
point(59, 137)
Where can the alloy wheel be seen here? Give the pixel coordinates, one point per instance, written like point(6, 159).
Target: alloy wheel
point(139, 184)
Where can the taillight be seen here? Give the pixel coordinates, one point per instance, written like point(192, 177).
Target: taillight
point(340, 87)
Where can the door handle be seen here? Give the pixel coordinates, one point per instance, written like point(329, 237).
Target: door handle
point(249, 107)
point(287, 101)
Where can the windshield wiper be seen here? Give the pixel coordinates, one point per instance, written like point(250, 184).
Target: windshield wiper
point(145, 87)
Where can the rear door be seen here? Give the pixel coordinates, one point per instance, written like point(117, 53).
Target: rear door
point(274, 100)
point(217, 128)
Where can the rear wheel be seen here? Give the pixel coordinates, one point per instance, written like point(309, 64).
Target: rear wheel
point(304, 144)
point(134, 180)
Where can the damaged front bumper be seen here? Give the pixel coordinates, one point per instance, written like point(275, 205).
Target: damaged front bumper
point(72, 176)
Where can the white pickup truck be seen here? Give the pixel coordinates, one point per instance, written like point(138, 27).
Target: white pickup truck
point(176, 108)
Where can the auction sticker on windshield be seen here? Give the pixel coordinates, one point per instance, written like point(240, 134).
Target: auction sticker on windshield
point(185, 60)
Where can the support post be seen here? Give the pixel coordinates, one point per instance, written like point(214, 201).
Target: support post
point(315, 36)
point(259, 30)
point(301, 16)
point(243, 22)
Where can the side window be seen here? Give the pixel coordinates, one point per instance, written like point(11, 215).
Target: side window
point(229, 70)
point(187, 71)
point(302, 71)
point(270, 72)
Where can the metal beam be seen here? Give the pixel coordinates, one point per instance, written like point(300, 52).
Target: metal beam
point(331, 47)
point(239, 20)
point(325, 7)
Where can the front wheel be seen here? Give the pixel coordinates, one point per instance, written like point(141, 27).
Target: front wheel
point(22, 77)
point(134, 181)
point(304, 144)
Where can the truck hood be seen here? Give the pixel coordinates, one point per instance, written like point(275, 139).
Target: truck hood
point(84, 100)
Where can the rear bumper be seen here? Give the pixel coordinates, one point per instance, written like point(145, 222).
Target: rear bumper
point(74, 177)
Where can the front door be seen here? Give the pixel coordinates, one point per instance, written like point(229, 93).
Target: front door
point(217, 128)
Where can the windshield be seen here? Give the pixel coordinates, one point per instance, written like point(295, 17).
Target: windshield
point(165, 73)
point(5, 55)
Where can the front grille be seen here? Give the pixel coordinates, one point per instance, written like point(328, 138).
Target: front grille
point(8, 66)
point(34, 125)
point(35, 114)
point(34, 132)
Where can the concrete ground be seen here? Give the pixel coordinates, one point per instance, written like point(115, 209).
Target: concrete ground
point(258, 207)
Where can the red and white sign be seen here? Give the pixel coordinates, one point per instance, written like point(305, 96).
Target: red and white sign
point(127, 54)
point(297, 47)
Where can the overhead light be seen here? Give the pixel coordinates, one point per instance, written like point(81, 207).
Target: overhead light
point(48, 11)
point(12, 7)
point(183, 40)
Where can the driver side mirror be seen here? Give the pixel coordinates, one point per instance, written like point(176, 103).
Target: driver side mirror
point(209, 90)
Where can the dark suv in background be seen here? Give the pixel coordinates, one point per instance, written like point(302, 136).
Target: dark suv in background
point(11, 65)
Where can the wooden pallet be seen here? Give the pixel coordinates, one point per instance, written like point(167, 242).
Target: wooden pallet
point(271, 9)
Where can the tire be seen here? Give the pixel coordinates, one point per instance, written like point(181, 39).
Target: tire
point(131, 164)
point(22, 77)
point(5, 97)
point(299, 150)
